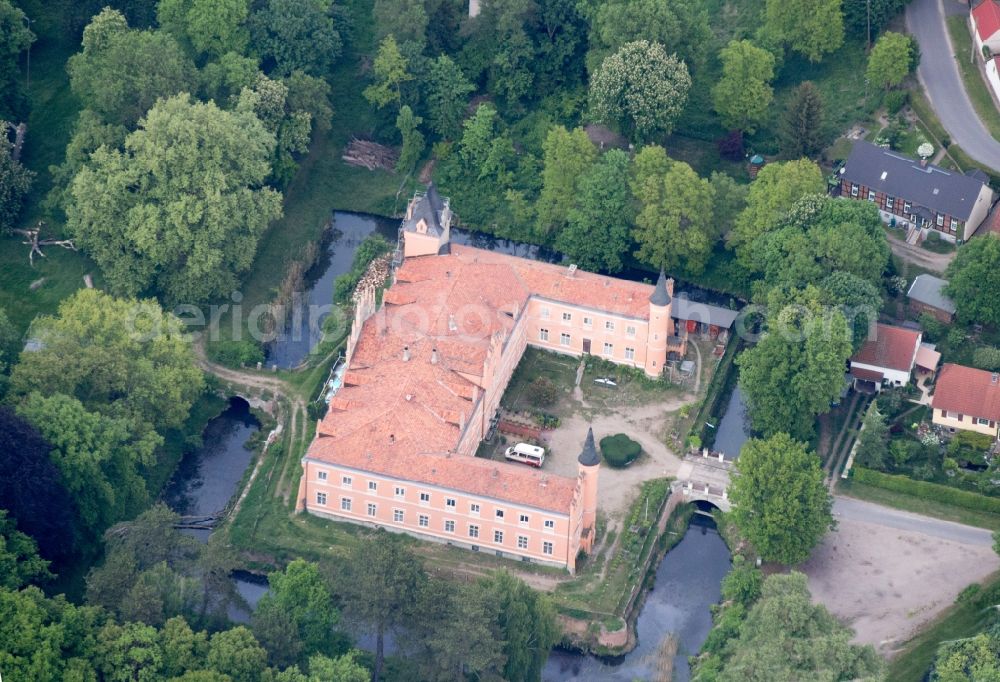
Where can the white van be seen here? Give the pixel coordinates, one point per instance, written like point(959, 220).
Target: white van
point(526, 454)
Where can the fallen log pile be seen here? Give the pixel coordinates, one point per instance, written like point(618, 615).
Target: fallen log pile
point(370, 155)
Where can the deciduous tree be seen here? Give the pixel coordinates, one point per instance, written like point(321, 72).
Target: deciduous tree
point(15, 181)
point(214, 27)
point(237, 654)
point(302, 593)
point(407, 123)
point(526, 622)
point(297, 35)
point(19, 560)
point(640, 88)
point(569, 155)
point(889, 61)
point(15, 38)
point(390, 73)
point(780, 503)
point(970, 659)
point(873, 441)
point(683, 25)
point(972, 277)
point(813, 28)
point(180, 211)
point(404, 20)
point(743, 94)
point(446, 93)
point(598, 231)
point(801, 132)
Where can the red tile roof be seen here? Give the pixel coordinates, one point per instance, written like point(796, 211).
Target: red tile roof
point(892, 348)
point(867, 374)
point(969, 391)
point(987, 16)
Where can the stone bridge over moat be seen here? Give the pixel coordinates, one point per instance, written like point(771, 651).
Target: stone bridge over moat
point(704, 478)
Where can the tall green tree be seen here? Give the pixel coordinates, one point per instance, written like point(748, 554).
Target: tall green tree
point(380, 584)
point(212, 27)
point(801, 131)
point(777, 187)
point(19, 560)
point(865, 19)
point(463, 640)
point(129, 360)
point(780, 503)
point(640, 88)
point(303, 594)
point(526, 621)
point(683, 25)
point(15, 181)
point(797, 368)
point(297, 35)
point(597, 235)
point(675, 225)
point(390, 71)
point(15, 38)
point(446, 92)
point(408, 125)
point(787, 637)
point(744, 93)
point(970, 659)
point(873, 441)
point(971, 278)
point(890, 60)
point(813, 28)
point(90, 132)
point(121, 72)
point(180, 211)
point(237, 654)
point(568, 157)
point(404, 20)
point(730, 200)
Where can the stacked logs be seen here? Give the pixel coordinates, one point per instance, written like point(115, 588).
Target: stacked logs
point(370, 155)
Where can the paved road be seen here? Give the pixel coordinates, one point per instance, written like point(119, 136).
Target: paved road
point(857, 510)
point(939, 75)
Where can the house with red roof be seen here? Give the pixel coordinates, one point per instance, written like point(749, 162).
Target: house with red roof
point(888, 358)
point(984, 21)
point(967, 399)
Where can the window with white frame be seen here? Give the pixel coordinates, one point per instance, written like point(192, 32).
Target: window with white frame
point(372, 509)
point(564, 339)
point(630, 331)
point(400, 492)
point(372, 485)
point(321, 475)
point(498, 537)
point(425, 498)
point(544, 312)
point(889, 202)
point(609, 348)
point(906, 207)
point(940, 220)
point(345, 504)
point(547, 548)
point(543, 334)
point(449, 526)
point(629, 353)
point(474, 508)
point(588, 322)
point(522, 542)
point(567, 317)
point(549, 524)
point(522, 518)
point(871, 195)
point(397, 515)
point(954, 224)
point(982, 421)
point(346, 481)
point(423, 521)
point(609, 325)
point(854, 190)
point(321, 498)
point(473, 530)
point(449, 502)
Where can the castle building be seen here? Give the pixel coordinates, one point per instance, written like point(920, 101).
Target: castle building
point(422, 388)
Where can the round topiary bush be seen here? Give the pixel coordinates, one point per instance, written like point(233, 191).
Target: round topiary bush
point(619, 450)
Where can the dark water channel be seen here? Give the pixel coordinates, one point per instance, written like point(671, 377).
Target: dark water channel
point(733, 429)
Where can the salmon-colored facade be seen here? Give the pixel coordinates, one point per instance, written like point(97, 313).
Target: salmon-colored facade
point(425, 375)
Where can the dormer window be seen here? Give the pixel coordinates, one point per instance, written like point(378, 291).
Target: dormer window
point(422, 226)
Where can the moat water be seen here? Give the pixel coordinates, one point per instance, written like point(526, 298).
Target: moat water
point(733, 429)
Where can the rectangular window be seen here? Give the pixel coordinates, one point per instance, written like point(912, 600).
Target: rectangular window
point(400, 492)
point(549, 524)
point(474, 508)
point(889, 202)
point(564, 339)
point(450, 502)
point(345, 504)
point(544, 312)
point(588, 322)
point(523, 518)
point(567, 317)
point(609, 349)
point(522, 542)
point(609, 325)
point(906, 207)
point(372, 485)
point(425, 498)
point(346, 481)
point(423, 521)
point(499, 513)
point(449, 526)
point(498, 537)
point(940, 220)
point(473, 531)
point(630, 332)
point(871, 195)
point(982, 422)
point(854, 190)
point(630, 353)
point(372, 509)
point(546, 548)
point(397, 515)
point(321, 498)
point(543, 334)
point(321, 475)
point(954, 224)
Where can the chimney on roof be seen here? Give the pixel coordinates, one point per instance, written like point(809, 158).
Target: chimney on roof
point(434, 356)
point(392, 438)
point(452, 325)
point(994, 377)
point(923, 162)
point(571, 270)
point(406, 353)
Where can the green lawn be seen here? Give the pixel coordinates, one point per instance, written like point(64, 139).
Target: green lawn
point(891, 498)
point(961, 620)
point(975, 85)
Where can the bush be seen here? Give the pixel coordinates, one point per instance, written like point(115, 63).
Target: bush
point(543, 392)
point(237, 353)
point(373, 246)
point(619, 450)
point(927, 491)
point(896, 100)
point(987, 357)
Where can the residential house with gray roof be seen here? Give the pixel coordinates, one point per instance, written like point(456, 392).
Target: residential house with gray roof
point(913, 193)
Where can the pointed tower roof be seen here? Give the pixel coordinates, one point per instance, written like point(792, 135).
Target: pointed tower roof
point(660, 295)
point(588, 456)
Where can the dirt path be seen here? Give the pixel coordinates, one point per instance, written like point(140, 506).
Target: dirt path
point(919, 256)
point(842, 445)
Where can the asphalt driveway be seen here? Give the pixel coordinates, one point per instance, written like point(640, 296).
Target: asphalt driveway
point(939, 75)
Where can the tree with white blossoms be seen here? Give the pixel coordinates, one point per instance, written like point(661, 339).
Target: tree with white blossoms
point(641, 88)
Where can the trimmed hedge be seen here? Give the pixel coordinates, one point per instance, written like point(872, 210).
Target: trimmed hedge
point(619, 450)
point(928, 491)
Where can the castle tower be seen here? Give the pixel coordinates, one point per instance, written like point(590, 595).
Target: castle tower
point(589, 464)
point(660, 325)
